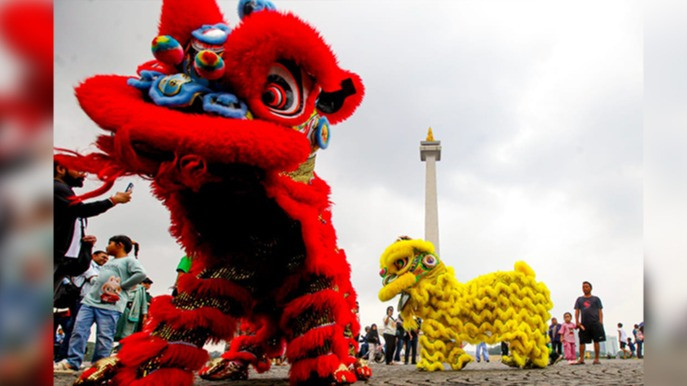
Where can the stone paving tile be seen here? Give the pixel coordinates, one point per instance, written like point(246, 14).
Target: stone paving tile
point(610, 372)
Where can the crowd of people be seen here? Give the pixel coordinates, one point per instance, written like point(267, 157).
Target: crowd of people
point(108, 288)
point(399, 342)
point(589, 327)
point(586, 328)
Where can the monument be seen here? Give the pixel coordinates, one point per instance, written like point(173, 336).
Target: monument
point(430, 153)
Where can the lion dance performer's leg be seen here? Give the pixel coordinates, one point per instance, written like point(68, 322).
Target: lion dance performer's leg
point(528, 349)
point(319, 303)
point(439, 345)
point(318, 323)
point(256, 347)
point(169, 349)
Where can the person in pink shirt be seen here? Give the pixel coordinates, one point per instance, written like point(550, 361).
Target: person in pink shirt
point(568, 337)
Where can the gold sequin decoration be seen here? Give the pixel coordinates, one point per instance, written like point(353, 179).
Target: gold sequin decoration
point(228, 273)
point(227, 305)
point(196, 336)
point(304, 173)
point(308, 320)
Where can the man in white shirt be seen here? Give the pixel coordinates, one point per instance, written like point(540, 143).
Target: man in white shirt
point(622, 338)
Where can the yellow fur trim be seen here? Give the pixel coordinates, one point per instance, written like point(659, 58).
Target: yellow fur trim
point(403, 248)
point(395, 287)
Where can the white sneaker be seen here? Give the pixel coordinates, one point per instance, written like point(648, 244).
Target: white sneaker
point(63, 367)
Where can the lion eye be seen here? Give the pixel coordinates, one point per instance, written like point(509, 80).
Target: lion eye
point(400, 263)
point(429, 261)
point(284, 92)
point(388, 279)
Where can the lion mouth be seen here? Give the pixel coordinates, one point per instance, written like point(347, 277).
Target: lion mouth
point(403, 301)
point(394, 285)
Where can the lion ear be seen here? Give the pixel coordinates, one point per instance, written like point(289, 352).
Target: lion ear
point(180, 17)
point(338, 104)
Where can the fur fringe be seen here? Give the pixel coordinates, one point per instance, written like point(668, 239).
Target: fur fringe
point(323, 367)
point(165, 376)
point(140, 347)
point(216, 321)
point(184, 356)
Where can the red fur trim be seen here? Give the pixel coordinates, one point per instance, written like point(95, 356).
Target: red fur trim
point(140, 347)
point(180, 17)
point(183, 355)
point(87, 373)
point(243, 356)
point(111, 103)
point(317, 337)
point(216, 321)
point(306, 203)
point(164, 376)
point(261, 40)
point(214, 287)
point(323, 366)
point(92, 163)
point(263, 366)
point(324, 301)
point(312, 339)
point(351, 102)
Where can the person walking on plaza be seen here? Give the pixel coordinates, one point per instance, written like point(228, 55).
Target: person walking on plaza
point(104, 304)
point(389, 333)
point(364, 345)
point(504, 349)
point(640, 341)
point(482, 352)
point(373, 340)
point(400, 338)
point(622, 339)
point(631, 346)
point(568, 337)
point(555, 336)
point(591, 326)
point(411, 343)
point(146, 283)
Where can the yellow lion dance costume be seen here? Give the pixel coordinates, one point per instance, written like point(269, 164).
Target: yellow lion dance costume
point(496, 307)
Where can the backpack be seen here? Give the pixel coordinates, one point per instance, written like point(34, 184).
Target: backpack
point(66, 294)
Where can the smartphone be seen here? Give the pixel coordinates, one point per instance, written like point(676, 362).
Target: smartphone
point(129, 187)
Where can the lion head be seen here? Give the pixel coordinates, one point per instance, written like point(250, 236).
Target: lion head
point(403, 265)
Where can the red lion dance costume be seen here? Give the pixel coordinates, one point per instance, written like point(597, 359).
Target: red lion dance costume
point(226, 123)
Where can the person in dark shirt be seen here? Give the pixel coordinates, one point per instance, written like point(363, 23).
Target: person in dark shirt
point(67, 213)
point(555, 336)
point(591, 327)
point(400, 336)
point(364, 347)
point(372, 338)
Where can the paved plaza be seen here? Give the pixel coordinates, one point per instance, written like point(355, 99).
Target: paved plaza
point(610, 372)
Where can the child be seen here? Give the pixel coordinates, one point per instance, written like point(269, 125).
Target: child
point(103, 305)
point(568, 337)
point(632, 347)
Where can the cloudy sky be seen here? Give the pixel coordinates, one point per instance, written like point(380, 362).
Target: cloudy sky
point(538, 106)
